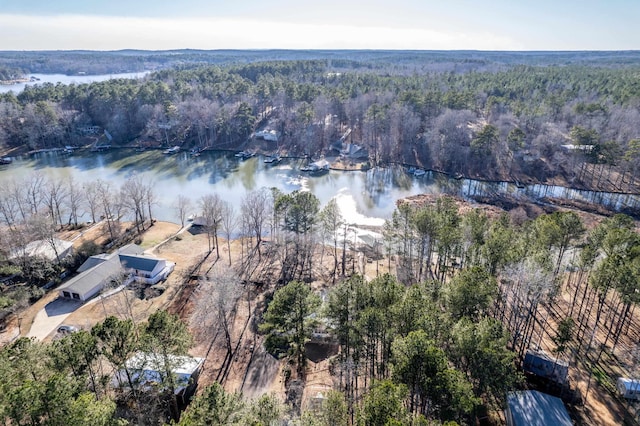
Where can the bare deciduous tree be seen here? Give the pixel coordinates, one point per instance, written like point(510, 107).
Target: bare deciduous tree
point(228, 224)
point(55, 195)
point(218, 295)
point(133, 193)
point(108, 203)
point(182, 206)
point(92, 199)
point(74, 201)
point(256, 212)
point(34, 192)
point(212, 207)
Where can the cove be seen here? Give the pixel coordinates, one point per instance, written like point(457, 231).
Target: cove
point(365, 198)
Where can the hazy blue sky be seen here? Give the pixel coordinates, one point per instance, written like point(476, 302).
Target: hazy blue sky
point(372, 24)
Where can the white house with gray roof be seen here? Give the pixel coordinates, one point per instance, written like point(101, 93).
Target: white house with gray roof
point(98, 271)
point(146, 269)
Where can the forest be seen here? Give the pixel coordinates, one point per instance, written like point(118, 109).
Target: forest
point(430, 321)
point(435, 335)
point(516, 117)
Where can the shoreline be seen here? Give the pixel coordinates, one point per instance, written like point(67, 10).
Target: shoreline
point(532, 190)
point(13, 82)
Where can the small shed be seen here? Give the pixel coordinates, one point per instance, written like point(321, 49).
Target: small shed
point(628, 388)
point(534, 408)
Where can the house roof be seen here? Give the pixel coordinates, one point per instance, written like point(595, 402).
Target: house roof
point(533, 408)
point(629, 383)
point(90, 278)
point(43, 248)
point(133, 249)
point(146, 367)
point(103, 267)
point(546, 357)
point(140, 263)
point(93, 261)
point(129, 249)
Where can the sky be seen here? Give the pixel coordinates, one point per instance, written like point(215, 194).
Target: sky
point(321, 24)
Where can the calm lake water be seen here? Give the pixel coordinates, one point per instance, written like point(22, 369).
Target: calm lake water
point(365, 198)
point(67, 79)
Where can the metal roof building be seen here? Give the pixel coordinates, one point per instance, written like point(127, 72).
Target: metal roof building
point(533, 408)
point(98, 271)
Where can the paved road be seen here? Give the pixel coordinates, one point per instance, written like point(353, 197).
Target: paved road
point(50, 318)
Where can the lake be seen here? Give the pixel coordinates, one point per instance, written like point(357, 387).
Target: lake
point(365, 198)
point(66, 79)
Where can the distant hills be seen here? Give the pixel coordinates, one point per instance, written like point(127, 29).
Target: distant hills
point(73, 62)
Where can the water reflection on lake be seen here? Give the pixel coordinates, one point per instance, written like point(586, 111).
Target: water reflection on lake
point(362, 196)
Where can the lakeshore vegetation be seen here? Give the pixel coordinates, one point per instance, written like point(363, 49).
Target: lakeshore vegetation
point(432, 319)
point(495, 117)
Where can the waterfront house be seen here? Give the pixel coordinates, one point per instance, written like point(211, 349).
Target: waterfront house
point(125, 265)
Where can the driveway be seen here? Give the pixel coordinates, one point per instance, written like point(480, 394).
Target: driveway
point(50, 318)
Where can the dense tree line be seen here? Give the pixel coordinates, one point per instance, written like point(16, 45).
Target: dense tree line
point(470, 295)
point(508, 121)
point(94, 62)
point(9, 74)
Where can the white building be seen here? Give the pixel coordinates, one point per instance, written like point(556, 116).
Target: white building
point(149, 369)
point(628, 388)
point(128, 263)
point(56, 249)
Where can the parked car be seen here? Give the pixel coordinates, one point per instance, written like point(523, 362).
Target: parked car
point(67, 329)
